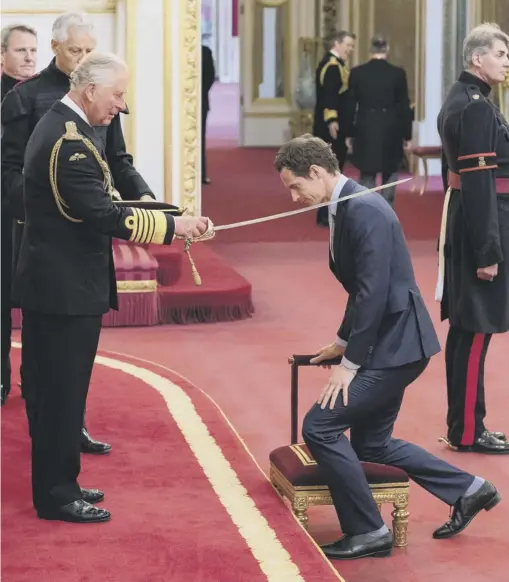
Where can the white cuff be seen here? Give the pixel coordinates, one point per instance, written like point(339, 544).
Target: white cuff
point(349, 365)
point(341, 342)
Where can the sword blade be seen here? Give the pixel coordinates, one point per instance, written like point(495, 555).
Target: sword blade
point(307, 209)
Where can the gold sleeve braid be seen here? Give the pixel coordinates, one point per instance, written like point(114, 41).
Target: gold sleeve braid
point(147, 226)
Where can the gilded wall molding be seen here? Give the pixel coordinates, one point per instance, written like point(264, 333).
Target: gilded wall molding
point(189, 107)
point(57, 6)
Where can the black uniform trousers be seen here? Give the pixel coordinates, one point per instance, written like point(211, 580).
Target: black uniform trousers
point(6, 325)
point(339, 148)
point(465, 354)
point(374, 401)
point(369, 180)
point(6, 322)
point(64, 349)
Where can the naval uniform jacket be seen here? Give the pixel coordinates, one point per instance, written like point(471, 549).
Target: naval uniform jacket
point(386, 323)
point(475, 140)
point(331, 80)
point(65, 265)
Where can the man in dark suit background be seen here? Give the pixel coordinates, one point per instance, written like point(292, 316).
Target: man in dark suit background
point(330, 119)
point(208, 76)
point(380, 118)
point(19, 59)
point(386, 340)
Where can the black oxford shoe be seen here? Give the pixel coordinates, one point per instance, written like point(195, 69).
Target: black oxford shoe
point(92, 495)
point(488, 444)
point(346, 549)
point(91, 446)
point(466, 508)
point(77, 512)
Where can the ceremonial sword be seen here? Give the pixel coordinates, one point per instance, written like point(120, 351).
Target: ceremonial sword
point(306, 209)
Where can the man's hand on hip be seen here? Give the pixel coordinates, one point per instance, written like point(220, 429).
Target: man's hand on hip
point(339, 381)
point(328, 353)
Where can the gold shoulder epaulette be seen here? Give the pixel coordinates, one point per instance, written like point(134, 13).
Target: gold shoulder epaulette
point(71, 132)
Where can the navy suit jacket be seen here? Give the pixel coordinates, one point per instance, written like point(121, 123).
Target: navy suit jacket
point(386, 323)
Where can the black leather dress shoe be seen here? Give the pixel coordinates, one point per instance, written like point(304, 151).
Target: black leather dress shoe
point(91, 446)
point(346, 549)
point(466, 508)
point(92, 495)
point(488, 444)
point(498, 435)
point(77, 512)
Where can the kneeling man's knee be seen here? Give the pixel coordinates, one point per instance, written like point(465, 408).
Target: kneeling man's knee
point(311, 430)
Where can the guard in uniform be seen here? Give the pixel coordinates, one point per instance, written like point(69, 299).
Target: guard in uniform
point(473, 284)
point(381, 120)
point(331, 110)
point(22, 109)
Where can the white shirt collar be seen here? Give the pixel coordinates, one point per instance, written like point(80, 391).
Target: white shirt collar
point(336, 193)
point(66, 100)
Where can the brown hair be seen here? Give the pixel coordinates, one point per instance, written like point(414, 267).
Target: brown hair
point(299, 154)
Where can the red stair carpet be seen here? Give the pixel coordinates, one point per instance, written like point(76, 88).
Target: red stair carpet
point(189, 504)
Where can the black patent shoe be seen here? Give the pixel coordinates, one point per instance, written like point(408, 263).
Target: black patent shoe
point(91, 446)
point(92, 495)
point(496, 434)
point(347, 549)
point(487, 443)
point(466, 508)
point(78, 511)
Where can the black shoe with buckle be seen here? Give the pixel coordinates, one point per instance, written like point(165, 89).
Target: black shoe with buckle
point(78, 511)
point(347, 549)
point(466, 508)
point(487, 443)
point(91, 446)
point(92, 495)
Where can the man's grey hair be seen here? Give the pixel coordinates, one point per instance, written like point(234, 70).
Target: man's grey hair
point(480, 41)
point(8, 30)
point(62, 25)
point(97, 68)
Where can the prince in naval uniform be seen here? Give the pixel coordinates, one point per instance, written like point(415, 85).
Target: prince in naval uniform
point(65, 278)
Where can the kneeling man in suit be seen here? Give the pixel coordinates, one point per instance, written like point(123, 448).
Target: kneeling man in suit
point(386, 340)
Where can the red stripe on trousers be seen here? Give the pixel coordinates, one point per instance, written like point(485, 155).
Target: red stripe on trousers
point(474, 363)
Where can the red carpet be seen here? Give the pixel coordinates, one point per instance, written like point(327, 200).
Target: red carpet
point(188, 502)
point(243, 365)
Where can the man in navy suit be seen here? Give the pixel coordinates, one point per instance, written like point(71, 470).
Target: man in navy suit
point(386, 340)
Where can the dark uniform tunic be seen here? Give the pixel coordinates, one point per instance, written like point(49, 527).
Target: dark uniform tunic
point(8, 83)
point(475, 140)
point(22, 109)
point(331, 105)
point(378, 95)
point(65, 282)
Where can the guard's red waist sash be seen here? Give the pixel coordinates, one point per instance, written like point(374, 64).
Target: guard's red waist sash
point(501, 184)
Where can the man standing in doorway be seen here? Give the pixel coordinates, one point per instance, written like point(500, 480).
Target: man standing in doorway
point(330, 123)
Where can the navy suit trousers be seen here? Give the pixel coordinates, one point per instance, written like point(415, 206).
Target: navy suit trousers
point(374, 401)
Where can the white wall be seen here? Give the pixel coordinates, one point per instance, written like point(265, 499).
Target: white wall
point(224, 46)
point(148, 99)
point(427, 129)
point(105, 25)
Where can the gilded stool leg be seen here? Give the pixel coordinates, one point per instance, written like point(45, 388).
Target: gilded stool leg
point(300, 509)
point(400, 520)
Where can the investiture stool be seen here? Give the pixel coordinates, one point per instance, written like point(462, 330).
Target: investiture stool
point(473, 285)
point(65, 277)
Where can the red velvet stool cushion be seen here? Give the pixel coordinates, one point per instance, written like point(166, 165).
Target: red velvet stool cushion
point(427, 151)
point(297, 465)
